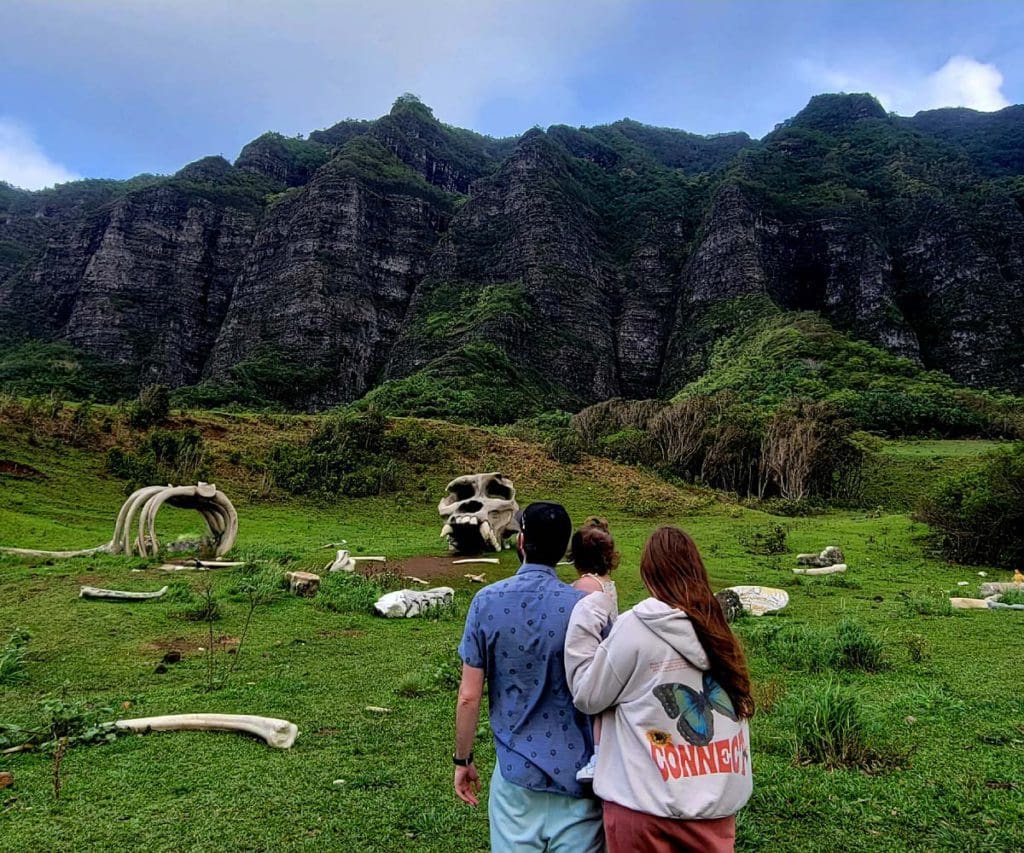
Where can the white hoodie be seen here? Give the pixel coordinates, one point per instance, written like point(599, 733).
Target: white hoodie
point(669, 744)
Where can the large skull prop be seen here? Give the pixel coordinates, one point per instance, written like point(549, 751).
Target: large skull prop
point(479, 511)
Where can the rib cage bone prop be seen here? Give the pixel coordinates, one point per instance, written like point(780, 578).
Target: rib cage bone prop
point(139, 537)
point(479, 512)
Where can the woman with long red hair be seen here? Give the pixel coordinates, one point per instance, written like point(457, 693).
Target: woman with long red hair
point(670, 684)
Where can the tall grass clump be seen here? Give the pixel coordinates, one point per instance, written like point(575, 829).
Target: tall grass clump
point(857, 649)
point(847, 646)
point(831, 727)
point(925, 604)
point(12, 658)
point(344, 592)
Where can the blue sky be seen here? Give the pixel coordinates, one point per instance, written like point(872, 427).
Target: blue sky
point(112, 88)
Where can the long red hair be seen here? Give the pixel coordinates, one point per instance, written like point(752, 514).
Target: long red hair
point(674, 573)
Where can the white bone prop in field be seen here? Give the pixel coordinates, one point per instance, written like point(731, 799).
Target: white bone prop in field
point(822, 570)
point(213, 505)
point(758, 600)
point(407, 603)
point(277, 733)
point(119, 594)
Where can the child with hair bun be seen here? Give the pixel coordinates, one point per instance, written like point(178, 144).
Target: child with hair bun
point(594, 556)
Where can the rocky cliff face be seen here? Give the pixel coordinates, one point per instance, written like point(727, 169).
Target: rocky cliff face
point(595, 262)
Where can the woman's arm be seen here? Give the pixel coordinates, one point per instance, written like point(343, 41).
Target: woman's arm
point(593, 681)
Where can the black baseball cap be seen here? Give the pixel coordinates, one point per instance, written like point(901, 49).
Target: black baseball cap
point(547, 529)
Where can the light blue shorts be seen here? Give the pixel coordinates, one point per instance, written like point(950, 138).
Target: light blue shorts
point(523, 820)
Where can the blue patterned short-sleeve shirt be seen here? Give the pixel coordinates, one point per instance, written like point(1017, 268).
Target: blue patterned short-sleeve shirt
point(515, 632)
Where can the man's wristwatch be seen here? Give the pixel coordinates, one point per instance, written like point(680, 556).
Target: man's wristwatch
point(462, 762)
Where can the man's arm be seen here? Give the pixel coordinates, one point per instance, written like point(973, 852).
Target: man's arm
point(467, 714)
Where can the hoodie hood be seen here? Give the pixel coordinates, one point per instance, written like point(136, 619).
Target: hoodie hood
point(674, 627)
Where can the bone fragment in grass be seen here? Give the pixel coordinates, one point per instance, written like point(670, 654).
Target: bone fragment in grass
point(481, 578)
point(277, 733)
point(968, 603)
point(119, 594)
point(342, 562)
point(822, 570)
point(493, 560)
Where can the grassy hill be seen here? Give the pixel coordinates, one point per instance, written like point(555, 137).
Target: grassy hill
point(774, 355)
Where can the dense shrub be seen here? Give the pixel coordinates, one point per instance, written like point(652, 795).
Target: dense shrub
point(564, 446)
point(475, 383)
point(353, 454)
point(801, 450)
point(164, 456)
point(151, 407)
point(806, 450)
point(630, 446)
point(978, 516)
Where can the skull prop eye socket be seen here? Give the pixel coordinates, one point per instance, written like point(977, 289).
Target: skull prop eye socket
point(479, 512)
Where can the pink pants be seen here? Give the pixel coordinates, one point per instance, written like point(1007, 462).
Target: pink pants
point(627, 831)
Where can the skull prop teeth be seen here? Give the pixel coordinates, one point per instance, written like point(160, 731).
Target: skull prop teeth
point(479, 512)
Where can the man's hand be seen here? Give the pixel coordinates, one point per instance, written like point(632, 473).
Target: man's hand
point(467, 784)
point(467, 712)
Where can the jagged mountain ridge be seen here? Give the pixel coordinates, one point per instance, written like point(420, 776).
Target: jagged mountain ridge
point(585, 262)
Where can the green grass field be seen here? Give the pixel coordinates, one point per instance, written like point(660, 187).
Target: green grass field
point(947, 706)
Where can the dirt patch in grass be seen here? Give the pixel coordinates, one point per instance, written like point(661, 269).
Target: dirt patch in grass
point(429, 568)
point(20, 471)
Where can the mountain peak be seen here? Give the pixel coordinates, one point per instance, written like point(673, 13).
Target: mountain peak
point(834, 112)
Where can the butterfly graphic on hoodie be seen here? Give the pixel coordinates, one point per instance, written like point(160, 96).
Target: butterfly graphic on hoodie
point(694, 708)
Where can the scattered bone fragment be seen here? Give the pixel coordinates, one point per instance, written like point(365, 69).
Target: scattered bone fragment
point(372, 559)
point(305, 584)
point(995, 587)
point(822, 570)
point(463, 561)
point(277, 733)
point(481, 578)
point(342, 562)
point(969, 603)
point(407, 603)
point(119, 594)
point(415, 579)
point(376, 709)
point(830, 556)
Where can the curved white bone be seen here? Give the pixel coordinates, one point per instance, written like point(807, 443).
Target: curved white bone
point(213, 505)
point(119, 594)
point(277, 733)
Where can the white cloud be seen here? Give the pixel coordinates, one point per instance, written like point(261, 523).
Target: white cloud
point(23, 163)
point(960, 82)
point(965, 82)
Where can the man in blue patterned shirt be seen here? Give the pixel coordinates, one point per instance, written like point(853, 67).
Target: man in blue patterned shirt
point(514, 640)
